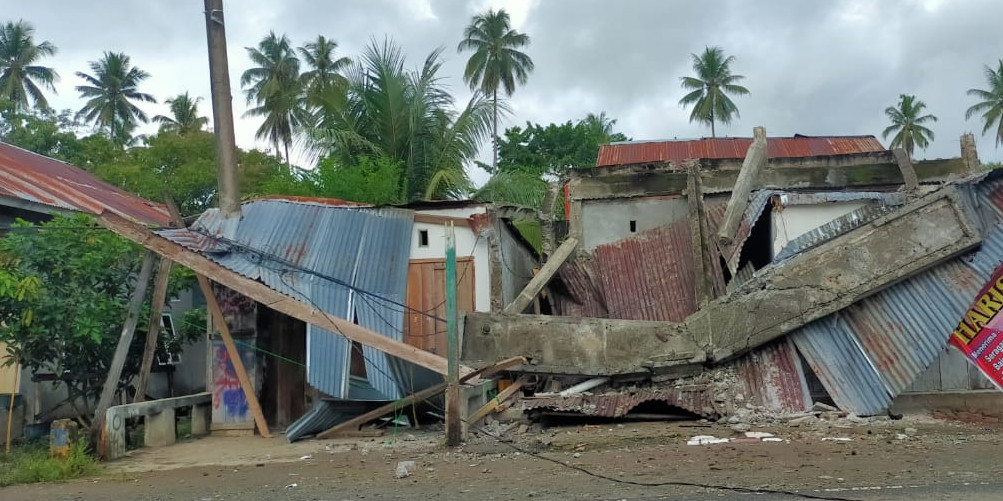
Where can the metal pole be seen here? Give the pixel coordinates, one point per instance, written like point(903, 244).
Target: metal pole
point(222, 110)
point(453, 425)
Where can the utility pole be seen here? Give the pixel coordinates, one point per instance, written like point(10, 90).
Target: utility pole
point(222, 110)
point(453, 425)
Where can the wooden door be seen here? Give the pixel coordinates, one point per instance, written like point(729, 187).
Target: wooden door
point(426, 293)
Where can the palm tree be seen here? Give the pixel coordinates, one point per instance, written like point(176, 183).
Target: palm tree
point(325, 69)
point(110, 93)
point(405, 116)
point(496, 61)
point(20, 77)
point(907, 123)
point(710, 88)
point(991, 105)
point(184, 115)
point(274, 86)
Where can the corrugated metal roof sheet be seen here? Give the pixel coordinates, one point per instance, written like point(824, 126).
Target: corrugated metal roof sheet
point(39, 179)
point(868, 353)
point(358, 247)
point(773, 378)
point(638, 152)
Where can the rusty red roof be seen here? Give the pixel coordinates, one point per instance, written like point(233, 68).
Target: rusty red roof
point(639, 152)
point(38, 179)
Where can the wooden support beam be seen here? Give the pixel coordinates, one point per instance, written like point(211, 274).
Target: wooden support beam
point(122, 350)
point(269, 297)
point(563, 252)
point(755, 161)
point(440, 220)
point(494, 403)
point(354, 423)
point(908, 172)
point(219, 322)
point(153, 330)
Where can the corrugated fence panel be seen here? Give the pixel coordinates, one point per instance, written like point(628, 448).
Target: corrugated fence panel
point(834, 355)
point(649, 277)
point(382, 269)
point(773, 378)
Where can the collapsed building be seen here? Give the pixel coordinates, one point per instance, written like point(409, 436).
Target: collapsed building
point(802, 268)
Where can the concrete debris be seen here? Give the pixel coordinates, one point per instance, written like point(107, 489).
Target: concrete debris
point(404, 469)
point(750, 436)
point(758, 434)
point(706, 440)
point(837, 439)
point(741, 427)
point(821, 407)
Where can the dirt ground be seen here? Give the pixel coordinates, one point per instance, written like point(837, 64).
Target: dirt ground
point(914, 458)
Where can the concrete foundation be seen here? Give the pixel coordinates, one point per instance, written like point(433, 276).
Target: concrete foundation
point(200, 420)
point(160, 429)
point(960, 405)
point(473, 398)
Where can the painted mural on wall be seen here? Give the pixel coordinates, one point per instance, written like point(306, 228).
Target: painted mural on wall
point(228, 402)
point(229, 405)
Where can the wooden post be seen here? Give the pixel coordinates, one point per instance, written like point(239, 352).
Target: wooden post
point(231, 349)
point(453, 424)
point(536, 284)
point(124, 340)
point(10, 407)
point(153, 331)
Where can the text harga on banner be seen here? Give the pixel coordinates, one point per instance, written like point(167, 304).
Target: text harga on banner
point(979, 335)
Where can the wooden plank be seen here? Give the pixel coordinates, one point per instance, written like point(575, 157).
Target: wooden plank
point(563, 252)
point(219, 321)
point(153, 329)
point(122, 350)
point(356, 422)
point(497, 401)
point(269, 297)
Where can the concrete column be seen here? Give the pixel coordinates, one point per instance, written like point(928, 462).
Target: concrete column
point(160, 429)
point(969, 154)
point(114, 434)
point(472, 398)
point(200, 420)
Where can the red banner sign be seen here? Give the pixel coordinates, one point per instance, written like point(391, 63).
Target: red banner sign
point(979, 335)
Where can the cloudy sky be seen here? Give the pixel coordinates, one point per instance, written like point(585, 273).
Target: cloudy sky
point(813, 67)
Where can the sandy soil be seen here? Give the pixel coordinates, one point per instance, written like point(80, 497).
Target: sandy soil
point(881, 460)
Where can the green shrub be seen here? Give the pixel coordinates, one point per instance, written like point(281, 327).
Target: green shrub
point(31, 463)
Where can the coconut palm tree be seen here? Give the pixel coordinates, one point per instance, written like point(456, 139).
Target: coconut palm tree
point(710, 88)
point(496, 60)
point(275, 88)
point(325, 69)
point(907, 124)
point(406, 116)
point(991, 105)
point(110, 92)
point(20, 77)
point(184, 115)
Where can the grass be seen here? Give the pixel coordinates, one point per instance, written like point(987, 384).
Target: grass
point(30, 463)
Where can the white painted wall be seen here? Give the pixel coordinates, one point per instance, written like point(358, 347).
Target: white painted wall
point(607, 221)
point(796, 220)
point(467, 244)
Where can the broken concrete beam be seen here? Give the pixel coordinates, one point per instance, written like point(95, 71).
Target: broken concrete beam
point(905, 166)
point(834, 275)
point(969, 154)
point(755, 161)
point(581, 346)
point(779, 174)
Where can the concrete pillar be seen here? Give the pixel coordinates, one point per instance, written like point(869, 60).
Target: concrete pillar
point(113, 434)
point(200, 420)
point(472, 398)
point(969, 154)
point(160, 429)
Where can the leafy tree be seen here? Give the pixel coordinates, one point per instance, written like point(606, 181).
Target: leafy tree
point(404, 116)
point(325, 69)
point(373, 180)
point(552, 150)
point(496, 60)
point(54, 135)
point(64, 292)
point(907, 124)
point(184, 115)
point(20, 76)
point(710, 88)
point(110, 93)
point(275, 88)
point(991, 104)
